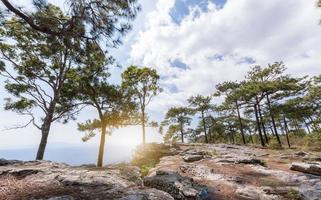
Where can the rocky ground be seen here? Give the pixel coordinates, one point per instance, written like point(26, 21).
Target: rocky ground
point(40, 180)
point(218, 172)
point(244, 173)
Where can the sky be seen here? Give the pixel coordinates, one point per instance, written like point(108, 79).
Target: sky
point(194, 45)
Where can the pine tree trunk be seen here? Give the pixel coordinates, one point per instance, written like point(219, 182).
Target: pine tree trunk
point(212, 140)
point(263, 125)
point(43, 142)
point(100, 159)
point(182, 133)
point(232, 136)
point(240, 120)
point(102, 146)
point(259, 125)
point(204, 126)
point(143, 126)
point(251, 138)
point(286, 131)
point(273, 120)
point(45, 129)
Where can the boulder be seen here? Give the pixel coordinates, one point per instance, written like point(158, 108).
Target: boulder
point(177, 186)
point(310, 168)
point(192, 158)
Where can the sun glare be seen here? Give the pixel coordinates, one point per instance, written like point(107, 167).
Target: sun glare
point(131, 137)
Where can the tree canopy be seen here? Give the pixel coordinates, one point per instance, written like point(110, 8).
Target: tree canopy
point(143, 85)
point(43, 71)
point(177, 118)
point(92, 20)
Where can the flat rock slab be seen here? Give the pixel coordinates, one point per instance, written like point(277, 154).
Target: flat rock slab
point(192, 158)
point(310, 168)
point(44, 180)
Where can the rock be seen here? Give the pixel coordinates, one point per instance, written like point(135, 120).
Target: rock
point(131, 173)
point(88, 166)
point(300, 154)
point(192, 151)
point(263, 155)
point(278, 190)
point(62, 198)
point(225, 161)
point(4, 162)
point(177, 186)
point(192, 158)
point(173, 151)
point(284, 157)
point(254, 193)
point(310, 168)
point(147, 194)
point(251, 161)
point(318, 159)
point(229, 146)
point(312, 158)
point(57, 198)
point(311, 190)
point(134, 197)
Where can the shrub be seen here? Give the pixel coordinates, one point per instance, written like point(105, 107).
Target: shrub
point(313, 141)
point(293, 195)
point(144, 169)
point(274, 144)
point(148, 155)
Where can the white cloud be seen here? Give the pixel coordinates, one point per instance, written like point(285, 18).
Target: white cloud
point(266, 31)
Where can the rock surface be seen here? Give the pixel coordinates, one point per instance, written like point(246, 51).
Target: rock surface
point(40, 180)
point(209, 171)
point(310, 168)
point(176, 185)
point(231, 172)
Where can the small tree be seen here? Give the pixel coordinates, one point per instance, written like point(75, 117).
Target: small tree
point(43, 72)
point(201, 104)
point(177, 118)
point(232, 101)
point(143, 85)
point(114, 110)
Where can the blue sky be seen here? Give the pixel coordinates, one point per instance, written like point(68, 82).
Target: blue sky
point(181, 9)
point(195, 44)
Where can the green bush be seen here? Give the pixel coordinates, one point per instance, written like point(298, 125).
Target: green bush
point(144, 169)
point(148, 155)
point(293, 195)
